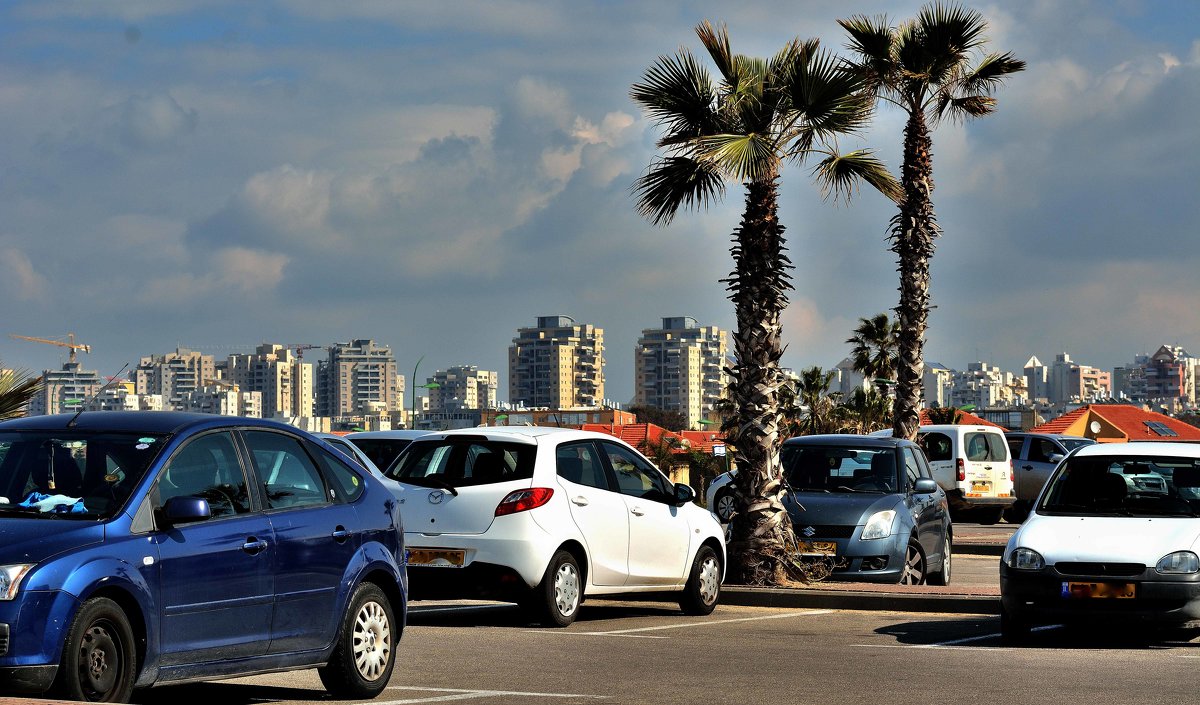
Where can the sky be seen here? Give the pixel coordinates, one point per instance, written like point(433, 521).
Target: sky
point(436, 175)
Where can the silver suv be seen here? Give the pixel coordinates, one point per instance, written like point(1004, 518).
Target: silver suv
point(1035, 455)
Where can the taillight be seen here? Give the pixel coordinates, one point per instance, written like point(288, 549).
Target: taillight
point(523, 500)
point(1011, 477)
point(962, 470)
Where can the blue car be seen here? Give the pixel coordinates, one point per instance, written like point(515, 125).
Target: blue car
point(871, 505)
point(145, 548)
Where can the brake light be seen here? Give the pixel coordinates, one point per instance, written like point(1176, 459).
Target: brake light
point(962, 470)
point(523, 500)
point(1011, 477)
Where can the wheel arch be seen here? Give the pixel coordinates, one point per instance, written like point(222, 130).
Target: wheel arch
point(718, 547)
point(133, 612)
point(384, 580)
point(579, 553)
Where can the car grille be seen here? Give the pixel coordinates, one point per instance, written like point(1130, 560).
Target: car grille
point(3, 639)
point(823, 531)
point(1101, 569)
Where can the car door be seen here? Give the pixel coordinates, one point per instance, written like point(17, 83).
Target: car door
point(316, 537)
point(925, 507)
point(216, 581)
point(1035, 466)
point(658, 531)
point(598, 511)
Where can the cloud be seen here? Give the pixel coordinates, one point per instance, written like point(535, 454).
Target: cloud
point(21, 281)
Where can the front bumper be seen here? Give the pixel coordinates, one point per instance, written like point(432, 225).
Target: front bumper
point(36, 622)
point(871, 561)
point(27, 679)
point(1040, 596)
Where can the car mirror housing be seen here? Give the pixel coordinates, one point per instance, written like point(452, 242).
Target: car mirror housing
point(925, 485)
point(683, 494)
point(185, 510)
point(1056, 457)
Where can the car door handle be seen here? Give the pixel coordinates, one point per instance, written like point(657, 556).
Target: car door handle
point(638, 511)
point(580, 500)
point(254, 546)
point(1026, 467)
point(340, 534)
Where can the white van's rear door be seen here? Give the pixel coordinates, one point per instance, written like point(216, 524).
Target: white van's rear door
point(987, 467)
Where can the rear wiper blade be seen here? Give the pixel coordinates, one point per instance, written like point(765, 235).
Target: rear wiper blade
point(430, 481)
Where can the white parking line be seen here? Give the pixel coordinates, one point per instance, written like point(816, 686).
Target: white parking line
point(462, 694)
point(637, 632)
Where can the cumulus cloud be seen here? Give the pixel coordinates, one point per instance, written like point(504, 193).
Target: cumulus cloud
point(21, 280)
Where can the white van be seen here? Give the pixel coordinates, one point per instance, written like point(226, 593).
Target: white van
point(972, 464)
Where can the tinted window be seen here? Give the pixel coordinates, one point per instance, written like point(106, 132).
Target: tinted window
point(842, 469)
point(345, 481)
point(580, 463)
point(937, 446)
point(1073, 443)
point(1014, 447)
point(912, 469)
point(636, 477)
point(288, 475)
point(1040, 449)
point(381, 451)
point(1125, 486)
point(208, 468)
point(463, 463)
point(984, 447)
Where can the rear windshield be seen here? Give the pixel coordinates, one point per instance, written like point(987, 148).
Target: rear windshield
point(381, 451)
point(985, 447)
point(459, 463)
point(840, 469)
point(1125, 486)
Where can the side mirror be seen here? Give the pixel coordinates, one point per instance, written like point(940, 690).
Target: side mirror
point(185, 510)
point(925, 485)
point(1056, 458)
point(684, 494)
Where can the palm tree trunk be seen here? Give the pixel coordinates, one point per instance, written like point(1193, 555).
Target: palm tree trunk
point(913, 231)
point(761, 531)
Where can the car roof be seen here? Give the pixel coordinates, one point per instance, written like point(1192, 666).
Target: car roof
point(943, 427)
point(833, 439)
point(1165, 449)
point(522, 434)
point(396, 434)
point(1047, 435)
point(160, 422)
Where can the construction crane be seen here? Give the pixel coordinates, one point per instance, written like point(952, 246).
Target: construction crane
point(300, 348)
point(70, 343)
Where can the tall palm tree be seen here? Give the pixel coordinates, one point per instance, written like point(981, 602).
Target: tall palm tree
point(927, 67)
point(874, 351)
point(17, 389)
point(742, 128)
point(813, 394)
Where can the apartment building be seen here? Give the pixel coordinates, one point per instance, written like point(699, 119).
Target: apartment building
point(279, 375)
point(66, 390)
point(1070, 381)
point(359, 378)
point(681, 367)
point(984, 385)
point(462, 387)
point(558, 364)
point(174, 375)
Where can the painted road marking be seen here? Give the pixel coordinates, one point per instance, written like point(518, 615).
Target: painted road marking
point(637, 632)
point(463, 694)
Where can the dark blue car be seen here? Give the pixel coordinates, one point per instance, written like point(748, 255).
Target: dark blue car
point(144, 548)
point(872, 505)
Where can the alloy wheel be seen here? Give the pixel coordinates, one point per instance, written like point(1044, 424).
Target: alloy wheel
point(372, 641)
point(914, 567)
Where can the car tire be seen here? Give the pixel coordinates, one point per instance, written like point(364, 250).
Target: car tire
point(724, 504)
point(555, 601)
point(99, 662)
point(916, 568)
point(942, 577)
point(703, 589)
point(1014, 629)
point(364, 656)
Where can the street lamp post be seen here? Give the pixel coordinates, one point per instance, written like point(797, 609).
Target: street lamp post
point(412, 419)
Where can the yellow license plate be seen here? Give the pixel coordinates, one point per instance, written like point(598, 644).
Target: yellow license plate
point(818, 548)
point(981, 486)
point(437, 558)
point(1118, 591)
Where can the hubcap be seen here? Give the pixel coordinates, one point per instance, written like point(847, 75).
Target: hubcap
point(914, 571)
point(99, 662)
point(725, 507)
point(946, 562)
point(372, 641)
point(566, 590)
point(710, 580)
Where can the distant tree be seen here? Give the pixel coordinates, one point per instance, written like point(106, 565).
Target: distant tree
point(945, 415)
point(925, 68)
point(17, 389)
point(820, 407)
point(666, 418)
point(865, 411)
point(874, 349)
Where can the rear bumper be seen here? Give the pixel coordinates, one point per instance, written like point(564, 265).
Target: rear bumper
point(959, 500)
point(516, 546)
point(1039, 596)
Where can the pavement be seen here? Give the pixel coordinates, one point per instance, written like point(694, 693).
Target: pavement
point(974, 591)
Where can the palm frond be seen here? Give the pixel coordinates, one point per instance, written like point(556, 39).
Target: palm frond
point(744, 158)
point(826, 99)
point(990, 73)
point(839, 175)
point(949, 33)
point(873, 40)
point(675, 182)
point(962, 108)
point(677, 93)
point(716, 41)
point(17, 389)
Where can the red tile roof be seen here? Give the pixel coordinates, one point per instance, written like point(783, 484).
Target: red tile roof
point(637, 434)
point(967, 419)
point(1128, 420)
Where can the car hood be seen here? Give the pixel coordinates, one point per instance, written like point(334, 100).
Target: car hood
point(35, 540)
point(841, 509)
point(1117, 539)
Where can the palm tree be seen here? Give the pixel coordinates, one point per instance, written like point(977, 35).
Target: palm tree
point(874, 351)
point(865, 411)
point(813, 394)
point(17, 389)
point(925, 68)
point(742, 129)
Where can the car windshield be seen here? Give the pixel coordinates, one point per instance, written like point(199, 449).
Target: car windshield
point(840, 469)
point(1073, 443)
point(453, 463)
point(71, 474)
point(1125, 486)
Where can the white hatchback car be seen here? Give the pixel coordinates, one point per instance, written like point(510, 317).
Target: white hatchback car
point(1099, 547)
point(546, 517)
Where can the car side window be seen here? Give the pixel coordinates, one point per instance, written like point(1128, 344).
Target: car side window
point(580, 463)
point(1014, 448)
point(208, 468)
point(345, 480)
point(923, 463)
point(635, 476)
point(288, 475)
point(912, 469)
point(937, 446)
point(1040, 449)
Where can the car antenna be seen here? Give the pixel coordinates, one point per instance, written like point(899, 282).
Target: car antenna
point(89, 400)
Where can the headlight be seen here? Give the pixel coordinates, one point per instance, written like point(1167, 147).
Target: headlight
point(879, 526)
point(10, 579)
point(1026, 559)
point(1179, 562)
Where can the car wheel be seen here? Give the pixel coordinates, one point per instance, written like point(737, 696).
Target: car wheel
point(703, 588)
point(555, 601)
point(99, 664)
point(1014, 629)
point(915, 568)
point(363, 658)
point(724, 504)
point(942, 577)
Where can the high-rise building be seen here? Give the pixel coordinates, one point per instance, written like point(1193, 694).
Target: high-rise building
point(66, 390)
point(1071, 382)
point(558, 364)
point(681, 367)
point(462, 387)
point(359, 378)
point(174, 375)
point(283, 379)
point(1037, 380)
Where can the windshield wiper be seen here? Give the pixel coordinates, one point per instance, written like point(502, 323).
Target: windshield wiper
point(18, 510)
point(432, 480)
